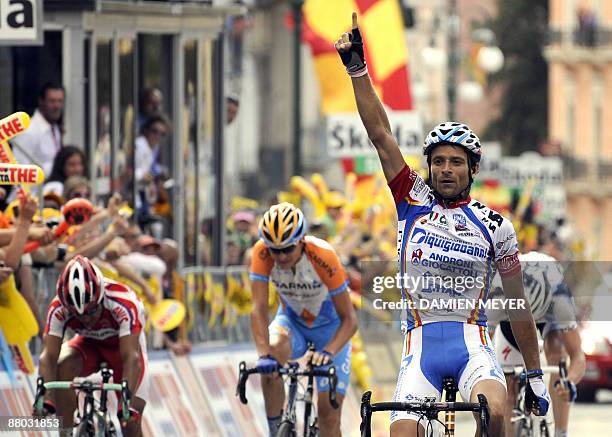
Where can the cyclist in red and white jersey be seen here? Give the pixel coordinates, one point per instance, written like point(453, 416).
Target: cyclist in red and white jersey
point(108, 319)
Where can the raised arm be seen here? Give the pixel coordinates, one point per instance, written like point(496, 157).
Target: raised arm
point(371, 111)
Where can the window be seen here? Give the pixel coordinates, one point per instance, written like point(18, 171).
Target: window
point(102, 153)
point(124, 165)
point(570, 93)
point(189, 152)
point(206, 170)
point(597, 135)
point(32, 68)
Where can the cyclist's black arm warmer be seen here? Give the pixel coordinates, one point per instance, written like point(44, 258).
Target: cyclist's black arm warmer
point(129, 349)
point(348, 323)
point(259, 317)
point(47, 367)
point(573, 346)
point(377, 125)
point(521, 321)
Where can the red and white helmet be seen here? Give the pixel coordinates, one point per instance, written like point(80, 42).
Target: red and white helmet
point(80, 287)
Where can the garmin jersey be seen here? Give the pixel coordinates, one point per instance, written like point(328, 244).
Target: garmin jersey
point(122, 314)
point(448, 255)
point(545, 288)
point(305, 291)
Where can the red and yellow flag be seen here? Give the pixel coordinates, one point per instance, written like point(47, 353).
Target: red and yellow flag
point(380, 23)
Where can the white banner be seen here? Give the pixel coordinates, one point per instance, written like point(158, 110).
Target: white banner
point(21, 22)
point(490, 161)
point(515, 171)
point(345, 135)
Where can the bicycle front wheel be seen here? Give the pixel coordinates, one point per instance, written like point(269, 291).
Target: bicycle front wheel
point(313, 429)
point(286, 429)
point(523, 428)
point(85, 429)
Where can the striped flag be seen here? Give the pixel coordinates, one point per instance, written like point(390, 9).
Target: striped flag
point(380, 23)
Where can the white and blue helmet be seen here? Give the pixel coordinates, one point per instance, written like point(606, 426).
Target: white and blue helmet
point(453, 133)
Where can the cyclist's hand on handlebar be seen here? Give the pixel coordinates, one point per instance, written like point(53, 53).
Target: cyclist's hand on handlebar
point(322, 358)
point(48, 409)
point(267, 364)
point(537, 399)
point(567, 393)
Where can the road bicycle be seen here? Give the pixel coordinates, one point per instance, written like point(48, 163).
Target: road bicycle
point(292, 372)
point(93, 418)
point(530, 425)
point(428, 411)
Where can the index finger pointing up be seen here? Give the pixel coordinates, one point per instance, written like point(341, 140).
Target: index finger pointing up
point(355, 25)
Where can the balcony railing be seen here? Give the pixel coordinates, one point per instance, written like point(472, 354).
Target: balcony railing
point(583, 170)
point(592, 37)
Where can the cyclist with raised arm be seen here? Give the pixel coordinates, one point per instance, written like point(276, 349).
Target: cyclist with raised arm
point(315, 307)
point(108, 319)
point(443, 233)
point(553, 309)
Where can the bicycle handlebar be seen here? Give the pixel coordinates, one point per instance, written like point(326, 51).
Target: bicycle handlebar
point(561, 369)
point(85, 386)
point(292, 370)
point(428, 408)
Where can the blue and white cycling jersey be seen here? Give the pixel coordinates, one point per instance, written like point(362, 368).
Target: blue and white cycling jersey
point(448, 255)
point(546, 291)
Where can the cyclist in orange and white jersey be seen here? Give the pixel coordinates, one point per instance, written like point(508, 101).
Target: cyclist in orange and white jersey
point(315, 307)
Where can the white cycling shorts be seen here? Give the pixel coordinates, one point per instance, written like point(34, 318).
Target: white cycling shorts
point(441, 349)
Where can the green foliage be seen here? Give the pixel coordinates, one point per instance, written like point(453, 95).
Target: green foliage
point(521, 27)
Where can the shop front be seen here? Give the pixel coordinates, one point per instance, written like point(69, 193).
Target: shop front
point(110, 56)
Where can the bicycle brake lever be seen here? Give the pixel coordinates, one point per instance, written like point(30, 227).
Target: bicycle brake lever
point(40, 393)
point(125, 400)
point(366, 415)
point(242, 377)
point(333, 382)
point(563, 374)
point(484, 411)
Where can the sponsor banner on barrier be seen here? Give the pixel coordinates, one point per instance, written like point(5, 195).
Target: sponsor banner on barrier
point(199, 402)
point(16, 399)
point(169, 410)
point(217, 370)
point(217, 373)
point(191, 395)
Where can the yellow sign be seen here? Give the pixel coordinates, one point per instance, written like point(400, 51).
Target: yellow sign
point(167, 314)
point(18, 323)
point(16, 174)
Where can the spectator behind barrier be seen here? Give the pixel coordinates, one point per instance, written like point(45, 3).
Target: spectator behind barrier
point(151, 105)
point(149, 175)
point(12, 259)
point(70, 161)
point(43, 139)
point(244, 232)
point(174, 288)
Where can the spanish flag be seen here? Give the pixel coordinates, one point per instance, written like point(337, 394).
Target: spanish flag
point(380, 23)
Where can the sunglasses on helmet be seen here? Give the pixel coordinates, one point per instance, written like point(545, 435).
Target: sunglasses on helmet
point(287, 249)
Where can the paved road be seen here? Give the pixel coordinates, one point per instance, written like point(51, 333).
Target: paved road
point(586, 420)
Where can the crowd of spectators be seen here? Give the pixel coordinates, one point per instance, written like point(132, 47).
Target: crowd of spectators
point(119, 239)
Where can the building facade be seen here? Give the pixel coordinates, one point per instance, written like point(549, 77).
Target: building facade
point(579, 54)
point(106, 54)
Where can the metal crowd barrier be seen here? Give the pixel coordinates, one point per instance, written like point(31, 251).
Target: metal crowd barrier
point(218, 306)
point(209, 319)
point(215, 318)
